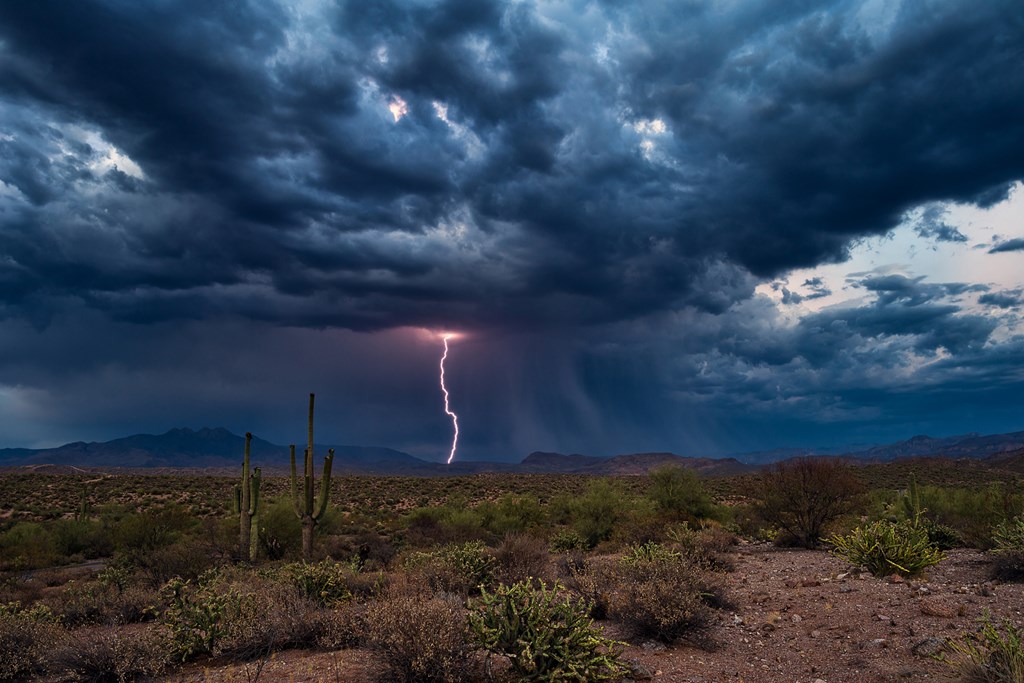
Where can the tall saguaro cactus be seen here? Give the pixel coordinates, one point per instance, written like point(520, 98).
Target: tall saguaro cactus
point(247, 506)
point(307, 509)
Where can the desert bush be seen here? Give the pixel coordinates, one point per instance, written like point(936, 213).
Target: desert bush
point(656, 593)
point(27, 545)
point(511, 514)
point(419, 639)
point(521, 557)
point(101, 601)
point(144, 531)
point(972, 513)
point(116, 656)
point(679, 493)
point(343, 626)
point(803, 496)
point(885, 548)
point(545, 634)
point(992, 655)
point(706, 546)
point(455, 567)
point(1008, 550)
point(325, 582)
point(187, 558)
point(650, 552)
point(280, 532)
point(567, 540)
point(594, 513)
point(27, 636)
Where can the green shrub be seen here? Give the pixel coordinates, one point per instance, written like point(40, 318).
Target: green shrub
point(972, 512)
point(280, 532)
point(419, 640)
point(27, 545)
point(991, 656)
point(1008, 550)
point(568, 540)
point(678, 493)
point(595, 513)
point(545, 634)
point(885, 548)
point(650, 552)
point(322, 582)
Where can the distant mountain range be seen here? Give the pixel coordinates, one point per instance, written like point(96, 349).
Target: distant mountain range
point(216, 448)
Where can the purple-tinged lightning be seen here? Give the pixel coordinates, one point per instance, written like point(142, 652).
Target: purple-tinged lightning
point(447, 408)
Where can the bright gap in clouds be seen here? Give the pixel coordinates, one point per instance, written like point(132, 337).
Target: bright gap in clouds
point(939, 242)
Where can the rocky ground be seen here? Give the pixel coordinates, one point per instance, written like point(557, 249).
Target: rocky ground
point(798, 616)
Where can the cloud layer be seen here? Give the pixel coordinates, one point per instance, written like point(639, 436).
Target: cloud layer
point(553, 174)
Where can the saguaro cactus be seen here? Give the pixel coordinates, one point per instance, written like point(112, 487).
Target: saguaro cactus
point(247, 506)
point(307, 509)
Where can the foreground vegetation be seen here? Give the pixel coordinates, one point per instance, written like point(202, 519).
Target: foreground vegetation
point(448, 579)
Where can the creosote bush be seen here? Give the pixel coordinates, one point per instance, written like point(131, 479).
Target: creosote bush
point(885, 548)
point(118, 655)
point(26, 638)
point(545, 634)
point(521, 557)
point(419, 639)
point(658, 593)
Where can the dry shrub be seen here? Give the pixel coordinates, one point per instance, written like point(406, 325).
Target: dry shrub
point(804, 495)
point(521, 557)
point(112, 655)
point(271, 616)
point(26, 639)
point(705, 546)
point(418, 639)
point(98, 602)
point(654, 595)
point(343, 627)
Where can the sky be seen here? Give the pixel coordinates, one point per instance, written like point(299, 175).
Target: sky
point(699, 226)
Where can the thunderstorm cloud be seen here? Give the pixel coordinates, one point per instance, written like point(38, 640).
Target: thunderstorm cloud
point(207, 208)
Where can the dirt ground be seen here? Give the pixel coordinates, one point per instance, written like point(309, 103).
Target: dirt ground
point(798, 616)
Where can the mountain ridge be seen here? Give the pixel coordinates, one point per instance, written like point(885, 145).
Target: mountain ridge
point(183, 447)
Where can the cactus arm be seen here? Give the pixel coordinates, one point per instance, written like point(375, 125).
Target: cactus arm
point(309, 491)
point(295, 485)
point(254, 496)
point(325, 485)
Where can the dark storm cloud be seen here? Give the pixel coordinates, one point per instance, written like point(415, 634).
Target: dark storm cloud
point(577, 167)
point(1016, 244)
point(1010, 298)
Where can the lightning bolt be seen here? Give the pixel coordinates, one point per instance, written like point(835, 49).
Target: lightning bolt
point(447, 408)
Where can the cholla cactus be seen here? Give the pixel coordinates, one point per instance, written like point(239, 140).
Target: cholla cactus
point(307, 509)
point(247, 506)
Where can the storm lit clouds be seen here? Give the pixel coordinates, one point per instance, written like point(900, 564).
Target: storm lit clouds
point(681, 226)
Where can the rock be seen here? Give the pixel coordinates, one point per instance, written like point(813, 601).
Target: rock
point(934, 608)
point(876, 644)
point(653, 646)
point(639, 672)
point(796, 618)
point(929, 647)
point(895, 578)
